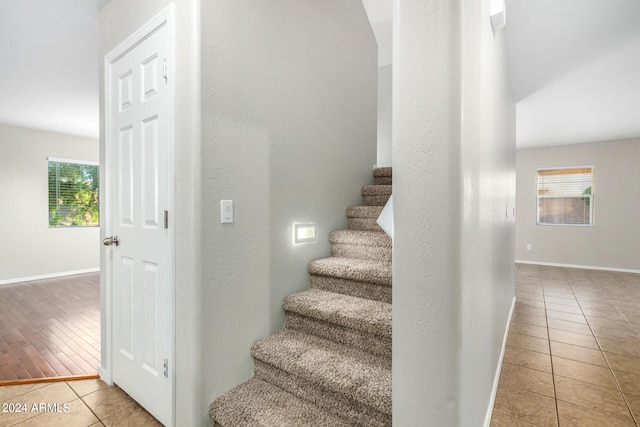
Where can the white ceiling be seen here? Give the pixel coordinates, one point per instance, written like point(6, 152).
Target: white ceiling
point(49, 67)
point(575, 66)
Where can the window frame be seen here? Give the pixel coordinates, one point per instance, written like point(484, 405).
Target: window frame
point(71, 162)
point(590, 196)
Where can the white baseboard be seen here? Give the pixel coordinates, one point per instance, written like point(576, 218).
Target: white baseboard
point(585, 267)
point(496, 379)
point(47, 276)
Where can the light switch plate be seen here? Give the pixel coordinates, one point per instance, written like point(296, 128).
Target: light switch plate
point(226, 211)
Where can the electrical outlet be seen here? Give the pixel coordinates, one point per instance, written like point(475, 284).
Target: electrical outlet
point(528, 246)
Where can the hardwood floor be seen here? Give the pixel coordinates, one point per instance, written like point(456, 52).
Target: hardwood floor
point(50, 328)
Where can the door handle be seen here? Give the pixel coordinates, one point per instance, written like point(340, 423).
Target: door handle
point(113, 240)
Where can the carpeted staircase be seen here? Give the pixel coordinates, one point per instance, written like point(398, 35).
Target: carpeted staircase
point(331, 363)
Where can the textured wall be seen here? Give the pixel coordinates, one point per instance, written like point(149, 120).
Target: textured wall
point(454, 194)
point(385, 93)
point(613, 240)
point(487, 244)
point(426, 193)
point(289, 134)
point(31, 248)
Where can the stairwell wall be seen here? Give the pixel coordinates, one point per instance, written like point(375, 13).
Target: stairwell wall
point(385, 92)
point(289, 134)
point(454, 192)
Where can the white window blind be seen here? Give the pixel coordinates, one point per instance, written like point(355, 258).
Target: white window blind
point(73, 193)
point(565, 196)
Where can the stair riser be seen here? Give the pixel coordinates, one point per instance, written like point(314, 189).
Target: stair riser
point(361, 238)
point(378, 253)
point(363, 224)
point(364, 211)
point(375, 200)
point(383, 180)
point(335, 403)
point(372, 277)
point(374, 272)
point(374, 344)
point(354, 288)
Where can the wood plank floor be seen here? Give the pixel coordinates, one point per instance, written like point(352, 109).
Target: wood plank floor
point(50, 328)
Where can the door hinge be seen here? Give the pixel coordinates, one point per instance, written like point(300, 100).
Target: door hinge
point(164, 70)
point(166, 219)
point(166, 368)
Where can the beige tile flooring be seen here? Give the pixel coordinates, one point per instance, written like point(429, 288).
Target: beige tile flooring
point(573, 350)
point(79, 403)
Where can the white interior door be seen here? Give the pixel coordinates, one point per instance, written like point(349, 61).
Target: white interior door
point(138, 144)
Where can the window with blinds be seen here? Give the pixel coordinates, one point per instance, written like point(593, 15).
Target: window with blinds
point(565, 196)
point(73, 193)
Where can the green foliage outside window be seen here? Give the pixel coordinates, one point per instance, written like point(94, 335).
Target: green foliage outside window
point(587, 200)
point(73, 194)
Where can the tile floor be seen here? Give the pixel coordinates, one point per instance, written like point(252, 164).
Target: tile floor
point(79, 403)
point(572, 359)
point(573, 350)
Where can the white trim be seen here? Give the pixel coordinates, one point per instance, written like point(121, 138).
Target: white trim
point(48, 276)
point(105, 375)
point(566, 167)
point(162, 18)
point(77, 162)
point(584, 267)
point(496, 378)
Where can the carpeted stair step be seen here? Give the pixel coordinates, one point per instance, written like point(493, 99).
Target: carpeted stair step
point(258, 403)
point(331, 364)
point(375, 195)
point(347, 382)
point(382, 176)
point(356, 277)
point(364, 217)
point(361, 244)
point(362, 270)
point(355, 322)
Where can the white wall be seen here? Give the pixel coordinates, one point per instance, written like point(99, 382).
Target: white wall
point(454, 192)
point(30, 248)
point(118, 20)
point(612, 242)
point(289, 131)
point(385, 92)
point(487, 244)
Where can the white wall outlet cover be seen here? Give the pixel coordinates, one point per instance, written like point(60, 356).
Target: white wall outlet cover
point(226, 211)
point(385, 220)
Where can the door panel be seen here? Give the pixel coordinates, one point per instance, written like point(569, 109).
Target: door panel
point(139, 169)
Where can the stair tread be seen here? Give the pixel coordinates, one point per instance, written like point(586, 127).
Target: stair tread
point(363, 270)
point(258, 403)
point(362, 314)
point(360, 237)
point(355, 374)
